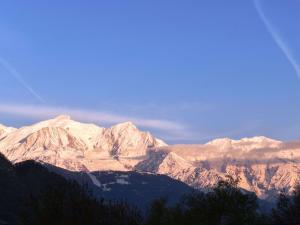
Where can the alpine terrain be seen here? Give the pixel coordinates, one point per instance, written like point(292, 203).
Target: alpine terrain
point(265, 166)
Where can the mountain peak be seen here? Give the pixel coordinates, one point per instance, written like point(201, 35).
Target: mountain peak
point(220, 141)
point(125, 125)
point(255, 139)
point(68, 143)
point(259, 139)
point(264, 164)
point(4, 129)
point(63, 117)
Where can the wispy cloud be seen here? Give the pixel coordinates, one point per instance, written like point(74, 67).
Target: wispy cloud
point(198, 136)
point(44, 112)
point(13, 72)
point(170, 131)
point(277, 38)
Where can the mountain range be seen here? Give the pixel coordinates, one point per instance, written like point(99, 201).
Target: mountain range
point(265, 166)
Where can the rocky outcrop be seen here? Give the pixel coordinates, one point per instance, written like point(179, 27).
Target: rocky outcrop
point(265, 166)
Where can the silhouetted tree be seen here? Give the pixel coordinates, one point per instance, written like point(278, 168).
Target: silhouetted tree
point(71, 205)
point(287, 210)
point(158, 213)
point(60, 205)
point(226, 204)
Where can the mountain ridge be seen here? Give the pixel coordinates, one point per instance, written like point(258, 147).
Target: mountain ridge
point(264, 165)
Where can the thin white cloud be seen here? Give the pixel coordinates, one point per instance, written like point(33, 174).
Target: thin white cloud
point(205, 136)
point(13, 72)
point(169, 130)
point(44, 112)
point(277, 38)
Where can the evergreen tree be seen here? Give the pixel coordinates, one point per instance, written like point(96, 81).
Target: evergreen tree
point(287, 210)
point(226, 204)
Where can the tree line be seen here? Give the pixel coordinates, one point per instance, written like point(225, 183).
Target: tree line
point(225, 204)
point(31, 195)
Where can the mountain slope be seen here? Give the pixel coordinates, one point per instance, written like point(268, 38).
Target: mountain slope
point(5, 130)
point(264, 165)
point(21, 181)
point(138, 189)
point(77, 146)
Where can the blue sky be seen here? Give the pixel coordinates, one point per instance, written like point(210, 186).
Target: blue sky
point(188, 71)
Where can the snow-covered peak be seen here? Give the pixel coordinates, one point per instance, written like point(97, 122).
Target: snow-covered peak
point(258, 139)
point(62, 117)
point(64, 142)
point(263, 164)
point(4, 130)
point(126, 140)
point(244, 144)
point(2, 127)
point(221, 142)
point(126, 126)
point(58, 121)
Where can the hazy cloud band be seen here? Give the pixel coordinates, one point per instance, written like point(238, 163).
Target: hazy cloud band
point(44, 112)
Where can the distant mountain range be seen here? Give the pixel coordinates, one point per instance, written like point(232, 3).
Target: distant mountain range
point(264, 165)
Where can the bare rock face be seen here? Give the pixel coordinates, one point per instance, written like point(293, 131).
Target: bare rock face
point(264, 165)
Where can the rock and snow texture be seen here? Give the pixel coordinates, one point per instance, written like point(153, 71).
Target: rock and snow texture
point(76, 146)
point(5, 130)
point(264, 165)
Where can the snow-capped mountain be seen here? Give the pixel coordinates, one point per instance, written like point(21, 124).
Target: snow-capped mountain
point(5, 130)
point(78, 146)
point(264, 165)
